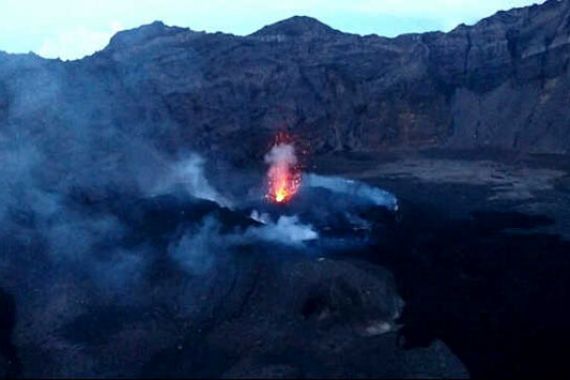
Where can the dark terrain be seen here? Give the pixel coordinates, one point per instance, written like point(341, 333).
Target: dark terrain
point(9, 366)
point(475, 272)
point(123, 254)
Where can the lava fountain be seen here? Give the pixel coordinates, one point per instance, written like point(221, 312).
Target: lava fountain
point(283, 176)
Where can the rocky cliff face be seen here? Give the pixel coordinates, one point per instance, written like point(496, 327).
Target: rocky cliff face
point(502, 83)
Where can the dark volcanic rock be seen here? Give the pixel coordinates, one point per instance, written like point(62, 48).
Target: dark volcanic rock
point(100, 287)
point(502, 83)
point(9, 362)
point(298, 27)
point(242, 309)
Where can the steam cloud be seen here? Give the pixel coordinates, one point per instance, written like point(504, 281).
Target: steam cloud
point(189, 174)
point(97, 212)
point(357, 190)
point(281, 154)
point(287, 230)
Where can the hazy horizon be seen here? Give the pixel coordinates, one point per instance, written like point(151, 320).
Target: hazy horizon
point(68, 29)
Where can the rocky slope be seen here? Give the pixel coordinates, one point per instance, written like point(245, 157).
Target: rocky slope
point(502, 83)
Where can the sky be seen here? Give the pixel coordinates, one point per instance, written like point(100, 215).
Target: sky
point(72, 29)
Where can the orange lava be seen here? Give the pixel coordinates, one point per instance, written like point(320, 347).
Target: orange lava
point(283, 177)
point(284, 183)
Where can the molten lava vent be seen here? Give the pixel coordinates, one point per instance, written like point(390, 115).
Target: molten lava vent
point(284, 174)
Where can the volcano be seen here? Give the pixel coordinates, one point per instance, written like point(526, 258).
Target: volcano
point(231, 283)
point(299, 202)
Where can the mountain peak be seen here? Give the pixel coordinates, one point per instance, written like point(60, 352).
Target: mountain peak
point(297, 26)
point(143, 33)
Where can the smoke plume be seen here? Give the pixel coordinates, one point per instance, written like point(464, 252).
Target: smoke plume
point(100, 211)
point(357, 190)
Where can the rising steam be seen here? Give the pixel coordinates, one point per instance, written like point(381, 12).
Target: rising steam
point(95, 213)
point(357, 190)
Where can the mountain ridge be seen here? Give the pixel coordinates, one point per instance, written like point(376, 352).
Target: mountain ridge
point(302, 18)
point(501, 83)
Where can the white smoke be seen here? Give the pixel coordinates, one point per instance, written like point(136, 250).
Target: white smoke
point(281, 154)
point(189, 173)
point(198, 248)
point(260, 217)
point(374, 195)
point(287, 230)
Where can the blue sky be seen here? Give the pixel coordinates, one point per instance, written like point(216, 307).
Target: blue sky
point(71, 29)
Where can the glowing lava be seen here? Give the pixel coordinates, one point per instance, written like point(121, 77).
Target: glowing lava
point(283, 177)
point(283, 183)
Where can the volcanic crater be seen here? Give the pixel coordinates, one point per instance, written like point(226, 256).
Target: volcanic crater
point(416, 225)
